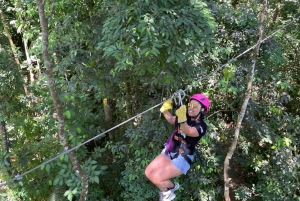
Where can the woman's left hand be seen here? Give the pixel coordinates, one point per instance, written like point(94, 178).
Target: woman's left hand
point(181, 114)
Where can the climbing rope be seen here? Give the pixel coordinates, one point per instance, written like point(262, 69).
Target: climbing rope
point(178, 95)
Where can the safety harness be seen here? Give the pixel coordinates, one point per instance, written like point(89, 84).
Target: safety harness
point(179, 136)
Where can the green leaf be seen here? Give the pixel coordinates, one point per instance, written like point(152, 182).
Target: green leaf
point(96, 179)
point(56, 180)
point(48, 168)
point(145, 50)
point(97, 173)
point(287, 141)
point(66, 97)
point(66, 158)
point(68, 114)
point(70, 196)
point(62, 171)
point(67, 192)
point(267, 138)
point(170, 58)
point(155, 51)
point(72, 98)
point(69, 182)
point(93, 162)
point(148, 32)
point(78, 130)
point(74, 191)
point(179, 62)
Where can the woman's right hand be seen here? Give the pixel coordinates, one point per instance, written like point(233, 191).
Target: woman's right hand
point(166, 106)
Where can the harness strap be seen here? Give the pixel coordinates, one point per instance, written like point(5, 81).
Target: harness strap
point(181, 151)
point(187, 158)
point(169, 143)
point(198, 155)
point(184, 155)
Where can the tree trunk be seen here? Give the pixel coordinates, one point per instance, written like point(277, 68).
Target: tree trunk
point(7, 33)
point(12, 45)
point(4, 142)
point(108, 117)
point(128, 100)
point(227, 179)
point(275, 15)
point(61, 122)
point(31, 75)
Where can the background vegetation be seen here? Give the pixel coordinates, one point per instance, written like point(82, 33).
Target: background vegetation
point(115, 59)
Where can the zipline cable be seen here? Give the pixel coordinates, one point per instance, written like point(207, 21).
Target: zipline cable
point(246, 51)
point(17, 177)
point(175, 95)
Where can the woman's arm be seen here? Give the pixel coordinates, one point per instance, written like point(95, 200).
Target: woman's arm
point(170, 118)
point(189, 131)
point(182, 119)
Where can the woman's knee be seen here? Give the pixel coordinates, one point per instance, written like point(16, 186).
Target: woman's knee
point(147, 172)
point(150, 173)
point(153, 176)
point(153, 169)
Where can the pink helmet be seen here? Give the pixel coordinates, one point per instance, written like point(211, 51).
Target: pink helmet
point(202, 99)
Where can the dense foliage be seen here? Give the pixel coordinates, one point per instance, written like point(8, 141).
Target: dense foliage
point(135, 54)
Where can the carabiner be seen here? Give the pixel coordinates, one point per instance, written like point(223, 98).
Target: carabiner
point(178, 94)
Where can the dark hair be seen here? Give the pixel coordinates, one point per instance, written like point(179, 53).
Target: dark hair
point(202, 112)
point(202, 115)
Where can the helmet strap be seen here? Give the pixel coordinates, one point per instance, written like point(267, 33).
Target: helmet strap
point(201, 114)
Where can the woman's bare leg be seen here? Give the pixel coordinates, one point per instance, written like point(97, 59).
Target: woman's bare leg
point(160, 171)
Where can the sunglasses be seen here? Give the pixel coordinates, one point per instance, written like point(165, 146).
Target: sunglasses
point(192, 105)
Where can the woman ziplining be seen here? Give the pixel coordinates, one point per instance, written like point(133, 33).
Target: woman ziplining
point(178, 154)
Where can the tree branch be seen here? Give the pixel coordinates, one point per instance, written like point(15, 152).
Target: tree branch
point(12, 45)
point(51, 84)
point(232, 148)
point(52, 11)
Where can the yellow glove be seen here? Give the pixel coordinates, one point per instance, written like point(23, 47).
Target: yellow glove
point(166, 106)
point(181, 114)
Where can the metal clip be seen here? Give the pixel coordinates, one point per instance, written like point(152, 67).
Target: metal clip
point(177, 96)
